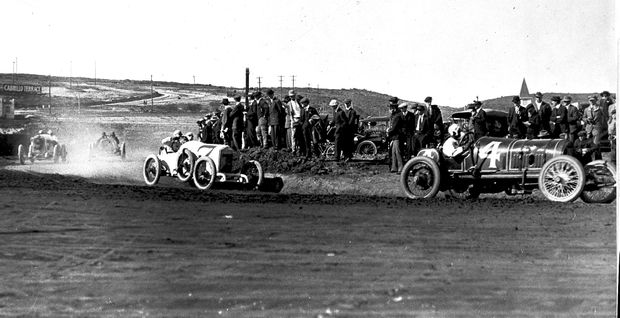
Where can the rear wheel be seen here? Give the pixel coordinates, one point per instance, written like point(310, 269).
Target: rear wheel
point(204, 173)
point(21, 155)
point(56, 153)
point(151, 170)
point(367, 147)
point(254, 171)
point(123, 152)
point(185, 165)
point(420, 178)
point(600, 182)
point(562, 179)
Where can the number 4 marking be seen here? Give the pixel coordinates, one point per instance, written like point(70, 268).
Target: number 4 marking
point(491, 151)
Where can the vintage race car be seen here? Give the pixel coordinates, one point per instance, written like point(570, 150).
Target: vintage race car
point(513, 166)
point(42, 147)
point(202, 164)
point(107, 147)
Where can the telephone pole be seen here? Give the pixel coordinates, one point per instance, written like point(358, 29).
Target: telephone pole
point(152, 107)
point(293, 77)
point(280, 86)
point(259, 82)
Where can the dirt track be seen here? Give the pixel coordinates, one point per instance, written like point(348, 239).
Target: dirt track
point(72, 248)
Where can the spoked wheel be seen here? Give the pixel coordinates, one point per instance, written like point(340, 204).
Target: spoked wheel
point(185, 165)
point(151, 170)
point(420, 178)
point(600, 182)
point(562, 179)
point(57, 153)
point(204, 173)
point(21, 155)
point(63, 153)
point(254, 171)
point(123, 152)
point(367, 147)
point(330, 151)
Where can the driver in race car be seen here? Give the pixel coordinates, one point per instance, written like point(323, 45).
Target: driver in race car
point(101, 139)
point(175, 141)
point(459, 142)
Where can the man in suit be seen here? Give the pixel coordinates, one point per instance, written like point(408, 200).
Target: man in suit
point(236, 116)
point(307, 112)
point(559, 117)
point(275, 111)
point(517, 116)
point(595, 122)
point(395, 133)
point(434, 116)
point(262, 111)
point(543, 109)
point(478, 120)
point(295, 113)
point(251, 122)
point(340, 122)
point(422, 129)
point(351, 124)
point(573, 119)
point(226, 128)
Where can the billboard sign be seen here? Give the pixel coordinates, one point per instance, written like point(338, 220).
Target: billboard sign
point(18, 88)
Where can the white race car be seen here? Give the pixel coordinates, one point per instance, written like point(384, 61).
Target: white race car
point(42, 147)
point(203, 164)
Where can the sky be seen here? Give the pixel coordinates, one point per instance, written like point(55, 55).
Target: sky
point(453, 50)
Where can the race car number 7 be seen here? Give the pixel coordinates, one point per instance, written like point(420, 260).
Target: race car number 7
point(491, 152)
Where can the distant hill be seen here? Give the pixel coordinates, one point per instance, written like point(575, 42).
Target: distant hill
point(505, 102)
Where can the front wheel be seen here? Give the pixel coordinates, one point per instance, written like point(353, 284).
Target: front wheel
point(420, 178)
point(204, 173)
point(600, 182)
point(366, 147)
point(254, 171)
point(151, 170)
point(21, 155)
point(185, 165)
point(562, 179)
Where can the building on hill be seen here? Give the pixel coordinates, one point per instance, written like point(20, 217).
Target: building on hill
point(525, 96)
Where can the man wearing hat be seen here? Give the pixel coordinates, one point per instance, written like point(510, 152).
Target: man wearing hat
point(543, 109)
point(611, 128)
point(237, 127)
point(594, 121)
point(584, 149)
point(517, 116)
point(352, 121)
point(421, 130)
point(436, 120)
point(308, 146)
point(559, 117)
point(478, 120)
point(262, 112)
point(296, 129)
point(396, 136)
point(275, 111)
point(605, 103)
point(225, 129)
point(573, 119)
point(393, 102)
point(251, 122)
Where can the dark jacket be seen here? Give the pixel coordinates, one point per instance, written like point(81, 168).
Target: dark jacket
point(262, 109)
point(397, 126)
point(559, 118)
point(515, 121)
point(236, 115)
point(275, 111)
point(479, 124)
point(226, 118)
point(306, 115)
point(425, 126)
point(544, 113)
point(435, 119)
point(252, 115)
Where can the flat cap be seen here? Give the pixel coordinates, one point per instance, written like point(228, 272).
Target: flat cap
point(333, 103)
point(291, 93)
point(237, 98)
point(394, 100)
point(593, 97)
point(225, 101)
point(605, 93)
point(428, 99)
point(270, 92)
point(305, 100)
point(567, 99)
point(347, 101)
point(556, 98)
point(403, 105)
point(538, 94)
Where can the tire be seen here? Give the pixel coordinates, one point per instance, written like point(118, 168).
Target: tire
point(204, 173)
point(185, 165)
point(21, 155)
point(330, 151)
point(63, 153)
point(420, 178)
point(31, 153)
point(366, 147)
point(562, 179)
point(123, 152)
point(151, 171)
point(254, 171)
point(56, 153)
point(596, 172)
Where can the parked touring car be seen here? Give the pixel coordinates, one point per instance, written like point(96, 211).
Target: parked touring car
point(514, 166)
point(372, 136)
point(43, 146)
point(203, 164)
point(107, 147)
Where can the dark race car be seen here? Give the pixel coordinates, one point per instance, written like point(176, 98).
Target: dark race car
point(513, 166)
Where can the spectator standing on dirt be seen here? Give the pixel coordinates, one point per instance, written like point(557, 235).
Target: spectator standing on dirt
point(543, 109)
point(478, 120)
point(422, 129)
point(396, 135)
point(573, 119)
point(594, 120)
point(262, 111)
point(226, 129)
point(605, 103)
point(517, 116)
point(307, 112)
point(532, 124)
point(559, 118)
point(288, 118)
point(436, 120)
point(296, 124)
point(251, 122)
point(236, 115)
point(351, 122)
point(275, 110)
point(339, 132)
point(611, 128)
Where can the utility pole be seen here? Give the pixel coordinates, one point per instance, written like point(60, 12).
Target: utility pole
point(280, 86)
point(152, 107)
point(293, 76)
point(259, 82)
point(13, 74)
point(247, 86)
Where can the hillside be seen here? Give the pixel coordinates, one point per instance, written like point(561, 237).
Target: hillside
point(505, 102)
